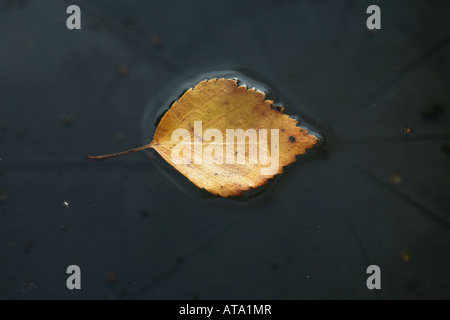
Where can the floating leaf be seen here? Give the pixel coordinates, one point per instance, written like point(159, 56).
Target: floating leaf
point(227, 138)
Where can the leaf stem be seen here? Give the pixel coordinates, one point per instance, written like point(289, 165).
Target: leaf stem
point(118, 154)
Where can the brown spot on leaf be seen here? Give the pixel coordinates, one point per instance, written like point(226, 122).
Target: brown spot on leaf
point(291, 138)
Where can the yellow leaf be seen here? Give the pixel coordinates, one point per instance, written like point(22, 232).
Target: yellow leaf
point(227, 138)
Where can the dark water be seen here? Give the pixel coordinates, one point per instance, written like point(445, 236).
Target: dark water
point(376, 194)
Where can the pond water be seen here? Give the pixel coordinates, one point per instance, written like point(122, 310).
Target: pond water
point(374, 194)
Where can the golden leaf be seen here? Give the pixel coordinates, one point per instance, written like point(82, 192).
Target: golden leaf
point(214, 120)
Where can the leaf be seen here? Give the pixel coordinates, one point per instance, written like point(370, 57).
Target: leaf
point(222, 105)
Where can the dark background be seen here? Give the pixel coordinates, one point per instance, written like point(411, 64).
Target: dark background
point(375, 195)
